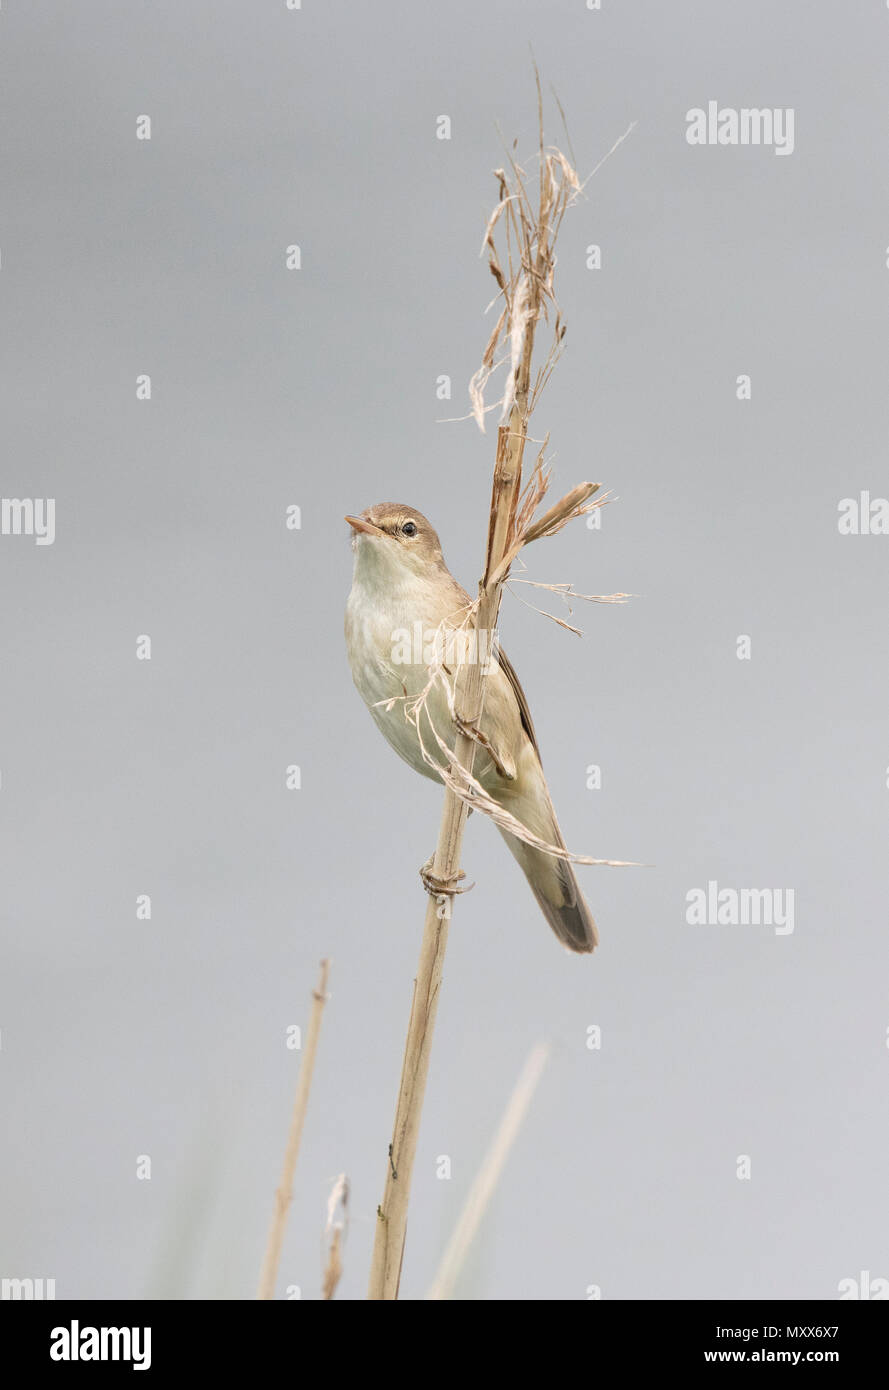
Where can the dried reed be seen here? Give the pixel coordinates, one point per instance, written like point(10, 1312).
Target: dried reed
point(523, 267)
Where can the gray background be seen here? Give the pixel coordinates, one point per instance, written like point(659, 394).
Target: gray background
point(317, 388)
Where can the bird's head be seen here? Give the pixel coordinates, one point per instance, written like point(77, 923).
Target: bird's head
point(393, 537)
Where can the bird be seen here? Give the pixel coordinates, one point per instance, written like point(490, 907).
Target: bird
point(402, 587)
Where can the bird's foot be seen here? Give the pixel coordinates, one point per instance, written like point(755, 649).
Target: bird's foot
point(442, 887)
point(471, 728)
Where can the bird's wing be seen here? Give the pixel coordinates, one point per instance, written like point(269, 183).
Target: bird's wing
point(508, 670)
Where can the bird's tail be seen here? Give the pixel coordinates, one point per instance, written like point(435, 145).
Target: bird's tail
point(551, 880)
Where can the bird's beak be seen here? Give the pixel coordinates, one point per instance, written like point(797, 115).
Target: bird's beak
point(358, 523)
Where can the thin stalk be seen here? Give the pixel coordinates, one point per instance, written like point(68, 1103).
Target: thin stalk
point(488, 1175)
point(391, 1228)
point(284, 1193)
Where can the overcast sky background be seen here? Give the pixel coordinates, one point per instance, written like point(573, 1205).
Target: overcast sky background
point(316, 388)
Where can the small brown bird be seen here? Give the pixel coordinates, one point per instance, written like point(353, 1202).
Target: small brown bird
point(401, 589)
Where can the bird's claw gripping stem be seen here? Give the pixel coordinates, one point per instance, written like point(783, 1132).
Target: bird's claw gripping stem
point(441, 887)
point(471, 728)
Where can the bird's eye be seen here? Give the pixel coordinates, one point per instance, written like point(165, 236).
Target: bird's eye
point(409, 529)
